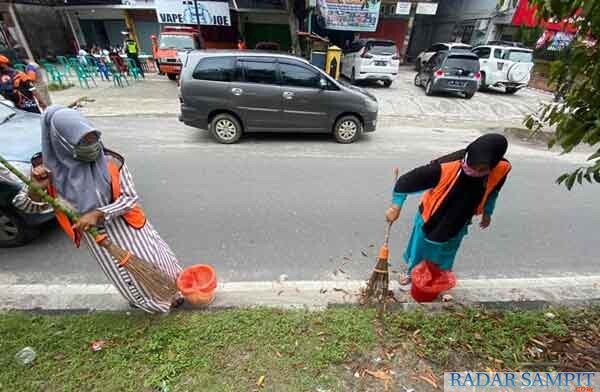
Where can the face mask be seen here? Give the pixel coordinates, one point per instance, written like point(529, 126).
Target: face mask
point(88, 152)
point(469, 171)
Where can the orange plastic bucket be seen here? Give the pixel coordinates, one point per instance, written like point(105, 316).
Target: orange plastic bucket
point(198, 284)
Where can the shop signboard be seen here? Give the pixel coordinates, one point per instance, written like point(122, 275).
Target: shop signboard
point(427, 8)
point(403, 8)
point(350, 15)
point(210, 13)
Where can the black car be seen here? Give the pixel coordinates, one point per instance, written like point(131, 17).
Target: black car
point(450, 71)
point(19, 140)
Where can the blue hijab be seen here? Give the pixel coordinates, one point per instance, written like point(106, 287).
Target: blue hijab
point(77, 182)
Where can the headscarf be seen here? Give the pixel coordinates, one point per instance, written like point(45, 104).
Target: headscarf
point(75, 181)
point(462, 200)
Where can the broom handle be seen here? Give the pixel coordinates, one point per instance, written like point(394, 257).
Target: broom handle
point(389, 225)
point(73, 216)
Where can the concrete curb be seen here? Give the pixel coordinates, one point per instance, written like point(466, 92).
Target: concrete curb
point(524, 293)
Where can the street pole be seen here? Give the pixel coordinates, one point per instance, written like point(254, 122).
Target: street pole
point(197, 14)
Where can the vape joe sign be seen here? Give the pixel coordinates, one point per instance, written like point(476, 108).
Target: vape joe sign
point(210, 13)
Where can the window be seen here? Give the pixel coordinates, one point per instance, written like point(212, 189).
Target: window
point(382, 48)
point(498, 53)
point(183, 42)
point(219, 69)
point(519, 56)
point(483, 53)
point(436, 60)
point(262, 72)
point(469, 64)
point(437, 48)
point(298, 76)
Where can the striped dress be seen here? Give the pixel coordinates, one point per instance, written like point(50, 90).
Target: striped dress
point(145, 243)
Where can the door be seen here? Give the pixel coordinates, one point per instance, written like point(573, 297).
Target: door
point(304, 101)
point(484, 53)
point(258, 95)
point(255, 33)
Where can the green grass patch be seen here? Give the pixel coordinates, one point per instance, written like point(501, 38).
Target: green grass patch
point(59, 87)
point(231, 350)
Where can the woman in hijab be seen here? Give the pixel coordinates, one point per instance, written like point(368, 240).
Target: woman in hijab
point(458, 186)
point(96, 183)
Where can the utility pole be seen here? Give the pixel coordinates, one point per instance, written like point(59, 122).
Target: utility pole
point(197, 14)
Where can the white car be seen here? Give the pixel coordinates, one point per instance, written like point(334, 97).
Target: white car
point(425, 55)
point(371, 59)
point(507, 66)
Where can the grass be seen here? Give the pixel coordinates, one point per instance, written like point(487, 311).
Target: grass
point(59, 87)
point(232, 350)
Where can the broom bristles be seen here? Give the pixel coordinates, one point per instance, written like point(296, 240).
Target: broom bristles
point(378, 284)
point(157, 284)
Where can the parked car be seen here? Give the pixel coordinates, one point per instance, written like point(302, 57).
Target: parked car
point(425, 55)
point(19, 141)
point(236, 92)
point(450, 71)
point(505, 65)
point(371, 59)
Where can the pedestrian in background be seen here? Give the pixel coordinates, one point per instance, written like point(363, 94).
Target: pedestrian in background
point(16, 87)
point(458, 186)
point(96, 183)
point(35, 74)
point(132, 51)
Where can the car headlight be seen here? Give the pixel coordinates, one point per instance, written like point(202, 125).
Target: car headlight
point(23, 167)
point(372, 106)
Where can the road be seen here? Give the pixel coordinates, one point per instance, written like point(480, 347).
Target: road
point(303, 205)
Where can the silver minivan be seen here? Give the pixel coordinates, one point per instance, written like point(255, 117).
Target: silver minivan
point(235, 92)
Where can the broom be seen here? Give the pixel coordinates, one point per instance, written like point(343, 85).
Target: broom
point(156, 283)
point(378, 285)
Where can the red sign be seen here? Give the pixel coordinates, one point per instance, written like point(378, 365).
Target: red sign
point(526, 15)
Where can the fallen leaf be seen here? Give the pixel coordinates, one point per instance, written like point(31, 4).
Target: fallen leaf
point(347, 258)
point(478, 336)
point(342, 271)
point(341, 290)
point(429, 381)
point(380, 374)
point(323, 291)
point(279, 355)
point(372, 246)
point(59, 356)
point(364, 253)
point(416, 333)
point(279, 293)
point(261, 381)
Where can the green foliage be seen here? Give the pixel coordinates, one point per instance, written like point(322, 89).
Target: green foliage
point(577, 75)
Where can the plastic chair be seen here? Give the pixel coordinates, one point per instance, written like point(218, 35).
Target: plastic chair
point(65, 63)
point(118, 76)
point(84, 77)
point(20, 67)
point(134, 70)
point(92, 65)
point(55, 75)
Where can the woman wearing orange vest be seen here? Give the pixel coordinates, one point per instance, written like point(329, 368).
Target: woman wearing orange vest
point(96, 183)
point(457, 186)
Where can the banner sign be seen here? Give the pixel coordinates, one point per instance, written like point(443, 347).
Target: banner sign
point(427, 8)
point(403, 8)
point(350, 15)
point(210, 13)
point(521, 382)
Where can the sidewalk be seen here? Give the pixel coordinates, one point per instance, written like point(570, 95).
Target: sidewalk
point(155, 95)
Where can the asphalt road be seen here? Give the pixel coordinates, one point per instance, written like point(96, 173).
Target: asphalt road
point(300, 205)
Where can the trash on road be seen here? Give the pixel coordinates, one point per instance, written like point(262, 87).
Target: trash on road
point(97, 345)
point(26, 356)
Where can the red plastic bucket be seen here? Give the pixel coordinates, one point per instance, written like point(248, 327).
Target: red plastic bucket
point(429, 281)
point(198, 284)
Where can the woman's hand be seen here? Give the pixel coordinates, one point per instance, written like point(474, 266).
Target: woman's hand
point(393, 213)
point(486, 220)
point(40, 177)
point(89, 220)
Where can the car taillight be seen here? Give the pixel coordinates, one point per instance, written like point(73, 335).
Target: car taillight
point(478, 75)
point(439, 73)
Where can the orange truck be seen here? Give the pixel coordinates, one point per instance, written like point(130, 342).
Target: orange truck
point(170, 48)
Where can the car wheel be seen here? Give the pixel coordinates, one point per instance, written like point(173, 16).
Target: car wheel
point(483, 86)
point(226, 129)
point(469, 95)
point(418, 80)
point(429, 88)
point(387, 83)
point(347, 129)
point(511, 90)
point(14, 231)
point(172, 76)
point(353, 76)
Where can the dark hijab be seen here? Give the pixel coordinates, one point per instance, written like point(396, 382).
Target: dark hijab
point(463, 199)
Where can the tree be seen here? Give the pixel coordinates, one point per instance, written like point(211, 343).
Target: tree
point(576, 77)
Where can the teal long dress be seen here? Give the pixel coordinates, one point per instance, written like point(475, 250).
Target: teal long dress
point(420, 248)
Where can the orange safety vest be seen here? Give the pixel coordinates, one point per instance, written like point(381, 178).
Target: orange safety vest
point(134, 217)
point(433, 198)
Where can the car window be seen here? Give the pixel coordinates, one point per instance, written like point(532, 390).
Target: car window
point(436, 60)
point(298, 76)
point(498, 53)
point(519, 56)
point(468, 64)
point(262, 72)
point(432, 48)
point(220, 69)
point(382, 48)
point(483, 53)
